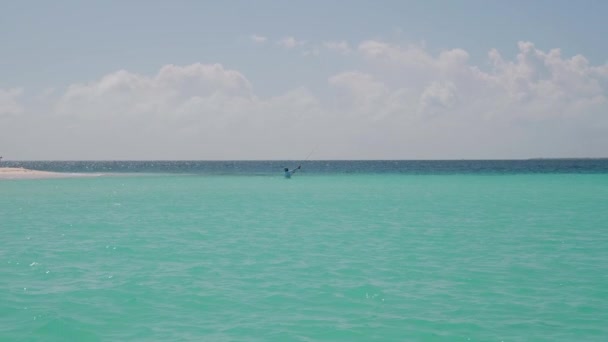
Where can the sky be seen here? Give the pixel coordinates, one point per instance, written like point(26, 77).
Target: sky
point(275, 80)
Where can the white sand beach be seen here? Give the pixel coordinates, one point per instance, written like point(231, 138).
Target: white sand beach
point(20, 173)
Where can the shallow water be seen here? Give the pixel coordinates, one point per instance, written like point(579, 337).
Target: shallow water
point(320, 257)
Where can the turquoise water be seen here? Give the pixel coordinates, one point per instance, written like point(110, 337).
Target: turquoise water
point(320, 257)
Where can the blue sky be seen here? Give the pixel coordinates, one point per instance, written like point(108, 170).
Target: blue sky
point(48, 47)
point(64, 41)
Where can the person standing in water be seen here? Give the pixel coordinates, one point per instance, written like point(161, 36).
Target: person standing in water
point(289, 173)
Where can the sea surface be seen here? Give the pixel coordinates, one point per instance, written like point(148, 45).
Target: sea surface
point(342, 251)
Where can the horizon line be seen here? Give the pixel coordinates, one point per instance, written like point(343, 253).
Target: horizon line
point(294, 160)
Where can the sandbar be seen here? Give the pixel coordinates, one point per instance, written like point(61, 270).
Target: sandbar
point(22, 173)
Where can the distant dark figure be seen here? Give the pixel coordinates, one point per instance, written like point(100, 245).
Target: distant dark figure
point(289, 173)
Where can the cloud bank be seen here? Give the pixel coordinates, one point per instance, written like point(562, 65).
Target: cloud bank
point(402, 102)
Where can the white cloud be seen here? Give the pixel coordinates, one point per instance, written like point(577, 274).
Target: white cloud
point(399, 102)
point(290, 42)
point(195, 111)
point(365, 93)
point(341, 47)
point(314, 51)
point(537, 91)
point(369, 98)
point(258, 39)
point(125, 93)
point(438, 95)
point(536, 84)
point(9, 101)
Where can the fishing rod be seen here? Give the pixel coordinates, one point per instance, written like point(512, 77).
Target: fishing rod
point(308, 156)
point(311, 152)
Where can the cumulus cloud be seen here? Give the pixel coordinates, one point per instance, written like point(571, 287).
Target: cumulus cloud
point(368, 97)
point(9, 101)
point(401, 101)
point(198, 111)
point(171, 86)
point(314, 51)
point(514, 99)
point(258, 39)
point(341, 47)
point(437, 95)
point(290, 42)
point(533, 80)
point(547, 84)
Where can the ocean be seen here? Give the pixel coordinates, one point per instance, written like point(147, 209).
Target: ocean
point(342, 251)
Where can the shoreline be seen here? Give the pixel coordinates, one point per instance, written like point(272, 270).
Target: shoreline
point(23, 173)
